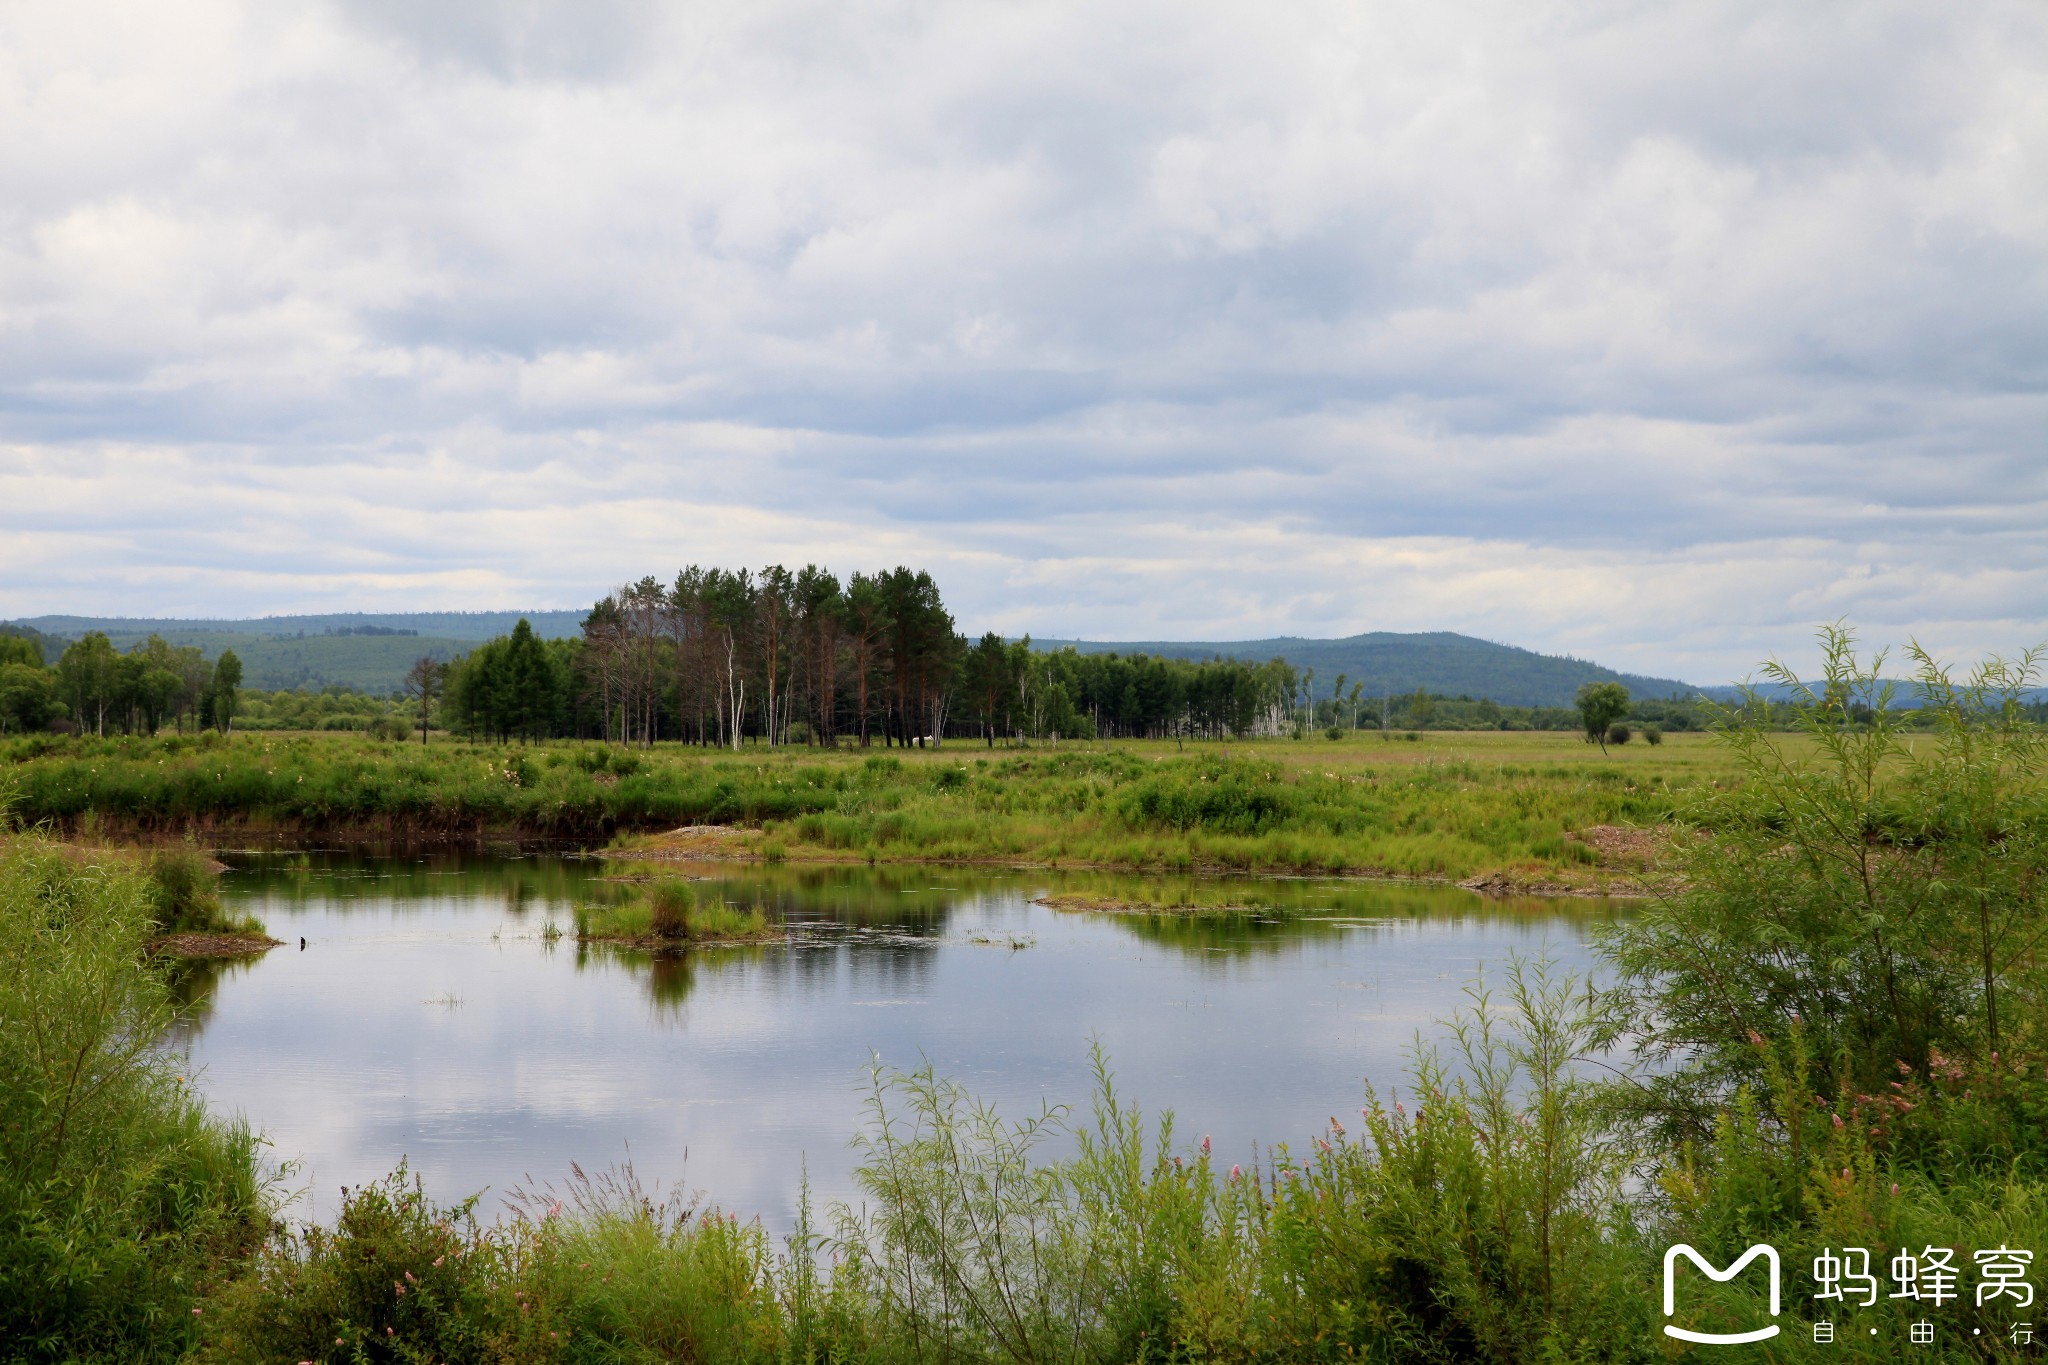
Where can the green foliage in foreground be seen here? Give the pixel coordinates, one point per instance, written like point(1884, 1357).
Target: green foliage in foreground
point(1886, 897)
point(121, 1202)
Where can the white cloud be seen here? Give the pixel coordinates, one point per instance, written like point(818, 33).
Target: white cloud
point(1656, 333)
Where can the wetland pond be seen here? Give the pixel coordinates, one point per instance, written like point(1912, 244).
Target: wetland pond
point(436, 1014)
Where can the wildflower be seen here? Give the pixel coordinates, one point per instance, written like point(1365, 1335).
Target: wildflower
point(409, 1279)
point(195, 1312)
point(1838, 1121)
point(1205, 1146)
point(1236, 1172)
point(1895, 1189)
point(442, 1257)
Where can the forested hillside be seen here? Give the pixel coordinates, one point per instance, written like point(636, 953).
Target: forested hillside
point(1386, 663)
point(368, 652)
point(453, 625)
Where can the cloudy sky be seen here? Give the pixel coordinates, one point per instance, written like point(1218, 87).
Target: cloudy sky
point(1656, 333)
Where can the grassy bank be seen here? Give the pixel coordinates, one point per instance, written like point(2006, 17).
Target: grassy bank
point(1513, 808)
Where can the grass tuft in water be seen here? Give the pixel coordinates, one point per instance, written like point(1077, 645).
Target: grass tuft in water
point(669, 911)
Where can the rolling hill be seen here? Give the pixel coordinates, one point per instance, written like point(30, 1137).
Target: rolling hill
point(1386, 662)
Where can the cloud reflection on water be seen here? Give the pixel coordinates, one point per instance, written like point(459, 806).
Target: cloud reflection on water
point(429, 1019)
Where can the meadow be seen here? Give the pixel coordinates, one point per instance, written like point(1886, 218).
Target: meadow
point(1512, 809)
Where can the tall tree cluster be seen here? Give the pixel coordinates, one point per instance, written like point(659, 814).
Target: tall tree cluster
point(103, 690)
point(516, 687)
point(721, 657)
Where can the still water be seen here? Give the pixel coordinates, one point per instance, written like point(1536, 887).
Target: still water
point(434, 1016)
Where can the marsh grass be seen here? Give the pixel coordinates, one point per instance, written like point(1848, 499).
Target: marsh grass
point(184, 895)
point(1446, 806)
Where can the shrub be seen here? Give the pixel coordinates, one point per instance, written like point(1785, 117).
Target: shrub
point(183, 895)
point(1618, 734)
point(1653, 734)
point(669, 903)
point(1883, 898)
point(397, 1279)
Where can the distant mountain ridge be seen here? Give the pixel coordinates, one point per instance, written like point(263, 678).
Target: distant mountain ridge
point(448, 625)
point(1387, 662)
point(320, 650)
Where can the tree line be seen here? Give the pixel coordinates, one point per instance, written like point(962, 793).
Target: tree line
point(97, 689)
point(721, 657)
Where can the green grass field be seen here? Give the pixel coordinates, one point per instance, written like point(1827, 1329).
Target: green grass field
point(1512, 807)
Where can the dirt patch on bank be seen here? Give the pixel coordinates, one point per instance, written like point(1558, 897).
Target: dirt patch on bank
point(1628, 861)
point(213, 945)
point(1624, 846)
point(691, 843)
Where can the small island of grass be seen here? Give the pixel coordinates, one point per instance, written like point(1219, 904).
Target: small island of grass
point(666, 914)
point(1117, 905)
